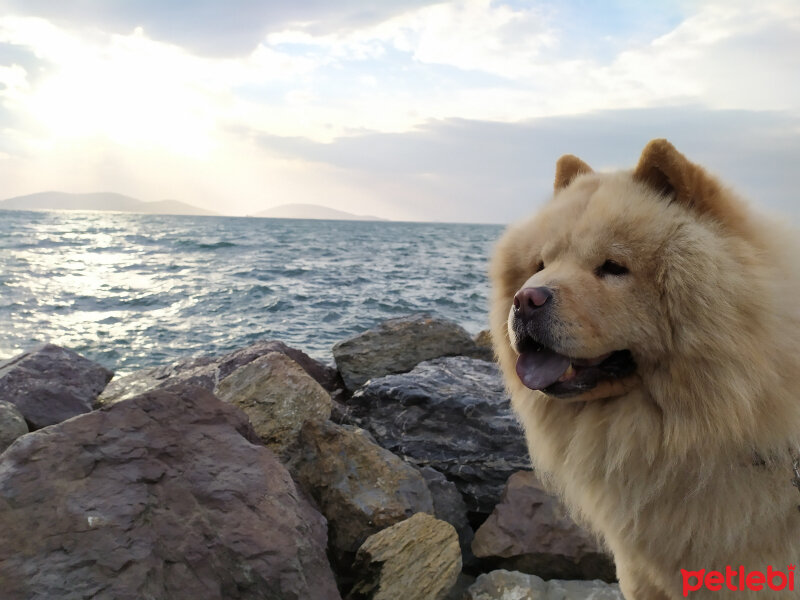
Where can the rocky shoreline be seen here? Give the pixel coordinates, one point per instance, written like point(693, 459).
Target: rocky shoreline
point(401, 473)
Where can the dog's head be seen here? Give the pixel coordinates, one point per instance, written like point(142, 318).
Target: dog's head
point(616, 275)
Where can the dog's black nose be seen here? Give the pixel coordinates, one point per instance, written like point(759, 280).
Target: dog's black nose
point(528, 300)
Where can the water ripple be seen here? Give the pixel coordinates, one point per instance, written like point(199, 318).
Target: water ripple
point(138, 290)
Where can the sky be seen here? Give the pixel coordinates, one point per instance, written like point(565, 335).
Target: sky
point(403, 109)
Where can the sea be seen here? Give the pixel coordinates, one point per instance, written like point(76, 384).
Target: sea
point(133, 291)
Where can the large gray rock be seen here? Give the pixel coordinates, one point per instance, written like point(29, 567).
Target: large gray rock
point(167, 495)
point(397, 346)
point(207, 372)
point(50, 384)
point(278, 396)
point(452, 414)
point(360, 487)
point(531, 531)
point(511, 585)
point(12, 424)
point(416, 559)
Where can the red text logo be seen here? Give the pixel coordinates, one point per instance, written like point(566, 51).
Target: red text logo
point(734, 580)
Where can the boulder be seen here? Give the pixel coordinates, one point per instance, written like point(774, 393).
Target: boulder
point(452, 414)
point(207, 372)
point(50, 384)
point(512, 585)
point(278, 396)
point(397, 346)
point(416, 559)
point(483, 345)
point(12, 424)
point(360, 487)
point(531, 531)
point(145, 380)
point(166, 495)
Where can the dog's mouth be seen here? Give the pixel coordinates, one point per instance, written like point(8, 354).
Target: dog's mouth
point(540, 368)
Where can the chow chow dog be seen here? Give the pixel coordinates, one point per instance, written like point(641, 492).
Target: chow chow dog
point(647, 324)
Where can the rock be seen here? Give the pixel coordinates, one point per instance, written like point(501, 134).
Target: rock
point(511, 585)
point(531, 531)
point(208, 372)
point(416, 559)
point(12, 424)
point(360, 487)
point(167, 495)
point(397, 346)
point(483, 345)
point(461, 586)
point(449, 506)
point(278, 396)
point(50, 384)
point(452, 414)
point(145, 380)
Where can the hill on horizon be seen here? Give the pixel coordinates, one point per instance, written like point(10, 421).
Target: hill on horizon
point(104, 201)
point(312, 211)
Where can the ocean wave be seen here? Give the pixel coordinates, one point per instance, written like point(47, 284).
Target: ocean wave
point(174, 287)
point(194, 244)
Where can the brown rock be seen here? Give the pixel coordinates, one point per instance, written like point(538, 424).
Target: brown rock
point(483, 346)
point(50, 384)
point(416, 559)
point(397, 346)
point(207, 372)
point(360, 487)
point(167, 495)
point(278, 396)
point(530, 531)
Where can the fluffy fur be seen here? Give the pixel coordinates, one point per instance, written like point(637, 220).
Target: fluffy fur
point(690, 465)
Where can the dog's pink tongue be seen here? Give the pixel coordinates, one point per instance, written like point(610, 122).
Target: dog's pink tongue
point(538, 370)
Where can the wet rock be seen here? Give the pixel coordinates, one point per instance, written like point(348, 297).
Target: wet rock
point(278, 396)
point(50, 384)
point(451, 414)
point(531, 531)
point(360, 487)
point(511, 585)
point(12, 424)
point(207, 372)
point(167, 495)
point(416, 559)
point(397, 346)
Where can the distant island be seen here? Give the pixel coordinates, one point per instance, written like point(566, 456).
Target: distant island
point(312, 211)
point(100, 201)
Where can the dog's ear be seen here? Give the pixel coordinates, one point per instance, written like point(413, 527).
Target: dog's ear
point(568, 167)
point(668, 171)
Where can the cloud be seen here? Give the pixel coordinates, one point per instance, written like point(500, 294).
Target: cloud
point(496, 172)
point(210, 27)
point(450, 111)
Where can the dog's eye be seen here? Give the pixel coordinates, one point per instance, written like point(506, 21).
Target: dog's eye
point(611, 268)
point(539, 267)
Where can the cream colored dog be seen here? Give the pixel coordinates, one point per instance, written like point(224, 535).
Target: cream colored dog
point(648, 328)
